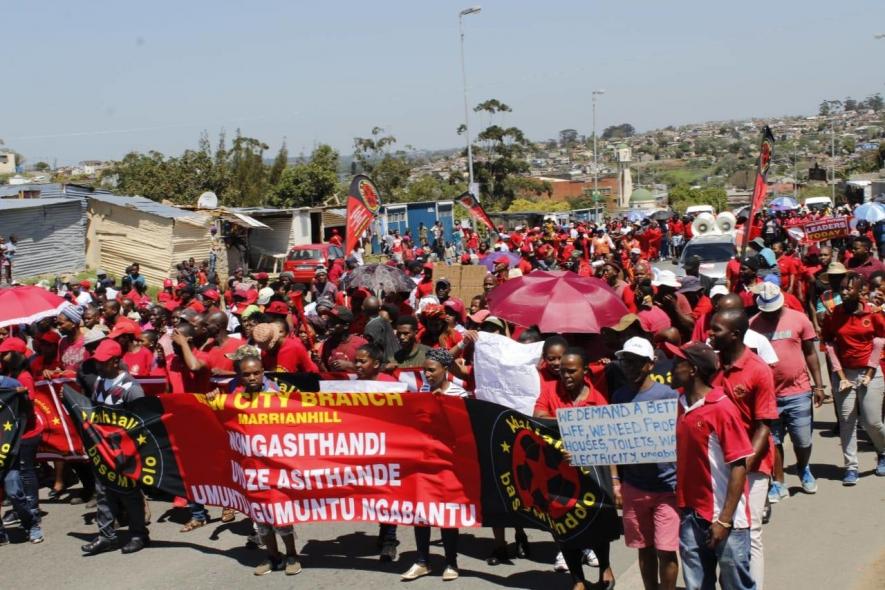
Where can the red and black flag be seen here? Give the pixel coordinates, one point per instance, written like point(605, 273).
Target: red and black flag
point(293, 457)
point(470, 203)
point(760, 188)
point(363, 204)
point(11, 426)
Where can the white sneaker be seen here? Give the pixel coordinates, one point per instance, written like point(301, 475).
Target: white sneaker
point(450, 574)
point(415, 572)
point(559, 564)
point(590, 558)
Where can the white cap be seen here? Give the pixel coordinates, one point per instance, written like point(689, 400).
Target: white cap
point(635, 251)
point(666, 278)
point(264, 296)
point(638, 346)
point(718, 290)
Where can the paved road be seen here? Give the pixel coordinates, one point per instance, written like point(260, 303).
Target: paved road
point(831, 540)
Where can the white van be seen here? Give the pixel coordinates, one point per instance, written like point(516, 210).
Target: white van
point(698, 209)
point(818, 203)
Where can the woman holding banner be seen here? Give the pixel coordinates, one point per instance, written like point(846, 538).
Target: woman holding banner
point(436, 368)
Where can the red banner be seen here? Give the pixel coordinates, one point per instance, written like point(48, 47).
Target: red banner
point(400, 458)
point(760, 188)
point(828, 228)
point(60, 439)
point(470, 203)
point(363, 204)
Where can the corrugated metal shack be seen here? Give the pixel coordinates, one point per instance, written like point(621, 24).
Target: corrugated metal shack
point(285, 228)
point(123, 230)
point(51, 234)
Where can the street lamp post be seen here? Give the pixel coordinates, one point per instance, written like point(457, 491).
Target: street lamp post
point(594, 94)
point(461, 15)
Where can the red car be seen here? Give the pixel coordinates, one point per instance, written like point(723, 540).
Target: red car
point(303, 261)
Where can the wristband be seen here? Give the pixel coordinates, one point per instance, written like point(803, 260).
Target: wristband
point(723, 524)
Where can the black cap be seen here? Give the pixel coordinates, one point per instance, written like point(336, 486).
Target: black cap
point(750, 261)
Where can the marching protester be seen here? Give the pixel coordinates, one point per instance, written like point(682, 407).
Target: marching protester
point(742, 351)
point(112, 386)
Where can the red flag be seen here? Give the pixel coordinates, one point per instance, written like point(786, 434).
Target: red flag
point(60, 439)
point(760, 189)
point(363, 203)
point(469, 202)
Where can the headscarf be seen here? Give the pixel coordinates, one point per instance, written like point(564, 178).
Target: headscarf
point(440, 355)
point(433, 310)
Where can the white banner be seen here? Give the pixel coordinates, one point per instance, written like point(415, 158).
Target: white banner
point(620, 434)
point(506, 372)
point(357, 386)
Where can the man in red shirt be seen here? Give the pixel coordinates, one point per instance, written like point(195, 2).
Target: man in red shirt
point(424, 288)
point(184, 372)
point(213, 354)
point(747, 277)
point(790, 267)
point(862, 260)
point(712, 448)
point(338, 352)
point(749, 383)
point(792, 336)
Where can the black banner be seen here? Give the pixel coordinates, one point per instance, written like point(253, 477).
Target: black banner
point(11, 427)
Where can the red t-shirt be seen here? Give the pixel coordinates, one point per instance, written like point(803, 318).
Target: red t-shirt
point(215, 358)
point(424, 288)
point(749, 384)
point(704, 307)
point(786, 334)
point(139, 363)
point(182, 380)
point(71, 353)
point(852, 334)
point(709, 437)
point(290, 357)
point(553, 398)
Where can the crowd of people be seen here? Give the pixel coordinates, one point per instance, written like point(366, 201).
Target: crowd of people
point(742, 356)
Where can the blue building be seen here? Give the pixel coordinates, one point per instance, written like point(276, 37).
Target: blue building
point(409, 216)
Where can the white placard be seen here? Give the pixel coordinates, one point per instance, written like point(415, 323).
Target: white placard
point(357, 386)
point(620, 434)
point(506, 372)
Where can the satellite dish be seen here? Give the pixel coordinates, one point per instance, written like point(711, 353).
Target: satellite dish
point(207, 200)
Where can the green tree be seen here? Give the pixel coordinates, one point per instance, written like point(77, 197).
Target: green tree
point(431, 187)
point(539, 206)
point(310, 183)
point(41, 166)
point(682, 196)
point(279, 164)
point(619, 131)
point(248, 173)
point(390, 171)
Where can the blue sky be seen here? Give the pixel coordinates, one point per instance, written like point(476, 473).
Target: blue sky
point(97, 79)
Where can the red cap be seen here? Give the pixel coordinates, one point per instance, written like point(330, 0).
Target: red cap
point(501, 260)
point(125, 326)
point(171, 305)
point(211, 294)
point(50, 336)
point(14, 344)
point(107, 350)
point(428, 266)
point(85, 284)
point(260, 276)
point(167, 283)
point(277, 307)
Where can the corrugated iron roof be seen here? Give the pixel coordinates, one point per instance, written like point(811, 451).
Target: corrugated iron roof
point(50, 189)
point(10, 204)
point(148, 206)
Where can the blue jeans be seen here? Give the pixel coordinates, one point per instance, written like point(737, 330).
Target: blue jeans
point(699, 562)
point(22, 486)
point(199, 512)
point(794, 417)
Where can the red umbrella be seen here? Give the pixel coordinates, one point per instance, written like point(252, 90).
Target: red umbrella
point(26, 305)
point(558, 301)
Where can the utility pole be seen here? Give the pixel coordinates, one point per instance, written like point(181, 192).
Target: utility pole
point(461, 15)
point(594, 94)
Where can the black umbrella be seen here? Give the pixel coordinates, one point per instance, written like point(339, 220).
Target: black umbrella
point(661, 215)
point(378, 278)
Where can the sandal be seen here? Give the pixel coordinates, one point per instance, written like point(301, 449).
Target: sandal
point(228, 515)
point(192, 525)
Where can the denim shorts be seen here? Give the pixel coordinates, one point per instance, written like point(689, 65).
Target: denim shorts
point(795, 417)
